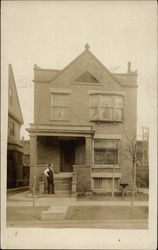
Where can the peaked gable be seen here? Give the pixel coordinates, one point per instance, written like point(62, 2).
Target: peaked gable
point(83, 65)
point(14, 108)
point(87, 77)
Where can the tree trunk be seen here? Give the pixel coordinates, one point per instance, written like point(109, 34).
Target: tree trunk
point(133, 182)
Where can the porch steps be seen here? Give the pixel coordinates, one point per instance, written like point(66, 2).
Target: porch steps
point(62, 184)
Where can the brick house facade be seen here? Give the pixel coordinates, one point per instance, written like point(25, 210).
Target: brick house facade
point(78, 117)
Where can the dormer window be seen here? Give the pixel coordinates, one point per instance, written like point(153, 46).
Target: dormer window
point(106, 107)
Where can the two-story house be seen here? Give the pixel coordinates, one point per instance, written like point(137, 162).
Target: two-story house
point(26, 161)
point(79, 113)
point(14, 147)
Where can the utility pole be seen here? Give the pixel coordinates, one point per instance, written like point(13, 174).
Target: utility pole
point(113, 181)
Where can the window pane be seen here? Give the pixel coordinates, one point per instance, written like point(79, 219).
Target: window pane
point(106, 101)
point(99, 156)
point(94, 101)
point(118, 101)
point(105, 113)
point(55, 112)
point(60, 113)
point(93, 113)
point(112, 157)
point(60, 100)
point(64, 112)
point(117, 114)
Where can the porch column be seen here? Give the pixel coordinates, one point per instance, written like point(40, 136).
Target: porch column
point(88, 151)
point(33, 157)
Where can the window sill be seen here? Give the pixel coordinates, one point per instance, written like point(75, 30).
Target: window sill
point(103, 121)
point(106, 166)
point(59, 120)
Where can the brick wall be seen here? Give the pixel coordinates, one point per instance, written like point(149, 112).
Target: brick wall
point(80, 152)
point(83, 178)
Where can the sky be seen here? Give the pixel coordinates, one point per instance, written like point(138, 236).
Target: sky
point(51, 34)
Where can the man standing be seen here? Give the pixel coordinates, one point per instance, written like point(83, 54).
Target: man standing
point(49, 172)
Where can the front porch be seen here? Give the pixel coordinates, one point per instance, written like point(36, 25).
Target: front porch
point(64, 147)
point(72, 154)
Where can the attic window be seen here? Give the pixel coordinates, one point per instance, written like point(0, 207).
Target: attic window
point(87, 77)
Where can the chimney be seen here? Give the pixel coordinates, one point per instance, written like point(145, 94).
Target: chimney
point(129, 67)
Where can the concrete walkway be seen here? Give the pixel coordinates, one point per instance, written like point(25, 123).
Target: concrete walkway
point(21, 200)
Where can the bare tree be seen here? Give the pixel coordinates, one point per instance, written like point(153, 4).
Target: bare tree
point(129, 152)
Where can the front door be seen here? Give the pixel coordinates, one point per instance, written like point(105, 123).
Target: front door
point(67, 156)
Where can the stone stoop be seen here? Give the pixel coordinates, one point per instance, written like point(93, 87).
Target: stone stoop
point(62, 183)
point(54, 213)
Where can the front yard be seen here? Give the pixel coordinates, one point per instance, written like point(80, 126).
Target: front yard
point(24, 213)
point(81, 213)
point(117, 197)
point(107, 213)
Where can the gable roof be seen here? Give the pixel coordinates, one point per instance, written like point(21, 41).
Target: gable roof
point(87, 51)
point(51, 75)
point(14, 108)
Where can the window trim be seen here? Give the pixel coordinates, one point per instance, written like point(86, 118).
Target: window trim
point(107, 165)
point(67, 93)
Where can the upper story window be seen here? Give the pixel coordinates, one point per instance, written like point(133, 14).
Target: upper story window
point(105, 152)
point(60, 106)
point(11, 127)
point(10, 95)
point(105, 107)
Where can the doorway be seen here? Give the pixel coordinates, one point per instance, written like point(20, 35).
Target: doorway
point(67, 149)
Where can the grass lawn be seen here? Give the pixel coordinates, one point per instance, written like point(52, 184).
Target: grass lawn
point(81, 213)
point(24, 213)
point(107, 213)
point(117, 197)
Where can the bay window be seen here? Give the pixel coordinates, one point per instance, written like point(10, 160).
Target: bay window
point(105, 107)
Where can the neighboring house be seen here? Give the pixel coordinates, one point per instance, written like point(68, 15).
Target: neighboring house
point(26, 161)
point(142, 171)
point(78, 117)
point(14, 147)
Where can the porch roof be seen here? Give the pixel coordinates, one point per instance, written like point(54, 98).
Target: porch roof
point(61, 130)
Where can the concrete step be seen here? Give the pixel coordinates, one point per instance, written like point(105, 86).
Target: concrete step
point(54, 213)
point(62, 188)
point(63, 179)
point(61, 191)
point(56, 195)
point(62, 184)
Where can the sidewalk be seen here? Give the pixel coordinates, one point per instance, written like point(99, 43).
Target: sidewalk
point(106, 224)
point(22, 200)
